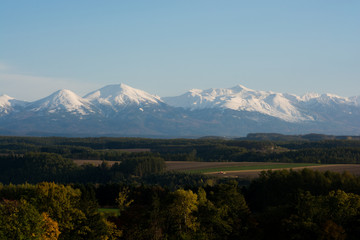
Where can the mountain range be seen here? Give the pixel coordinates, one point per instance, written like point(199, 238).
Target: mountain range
point(120, 110)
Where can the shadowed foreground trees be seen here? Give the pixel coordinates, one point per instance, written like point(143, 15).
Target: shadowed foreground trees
point(49, 210)
point(324, 217)
point(282, 204)
point(21, 220)
point(306, 204)
point(218, 212)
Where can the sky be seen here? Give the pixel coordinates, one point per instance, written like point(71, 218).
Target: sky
point(169, 47)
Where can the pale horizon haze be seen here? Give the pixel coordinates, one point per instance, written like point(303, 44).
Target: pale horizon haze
point(168, 47)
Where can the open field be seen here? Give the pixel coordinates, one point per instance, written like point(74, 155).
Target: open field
point(132, 150)
point(93, 162)
point(208, 167)
point(252, 169)
point(191, 166)
point(241, 169)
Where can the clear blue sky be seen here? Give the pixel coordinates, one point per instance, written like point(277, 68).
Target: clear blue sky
point(168, 47)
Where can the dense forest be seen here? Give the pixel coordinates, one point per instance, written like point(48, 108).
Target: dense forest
point(45, 195)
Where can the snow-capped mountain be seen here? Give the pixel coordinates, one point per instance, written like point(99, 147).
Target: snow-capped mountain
point(288, 107)
point(62, 101)
point(328, 99)
point(240, 98)
point(121, 95)
point(120, 110)
point(9, 104)
point(5, 104)
point(356, 100)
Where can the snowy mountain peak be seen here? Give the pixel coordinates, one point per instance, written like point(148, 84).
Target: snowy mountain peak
point(241, 98)
point(195, 91)
point(239, 88)
point(326, 99)
point(5, 104)
point(309, 96)
point(8, 104)
point(64, 97)
point(62, 100)
point(120, 95)
point(5, 100)
point(356, 100)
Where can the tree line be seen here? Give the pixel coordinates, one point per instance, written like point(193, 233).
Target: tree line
point(38, 167)
point(120, 149)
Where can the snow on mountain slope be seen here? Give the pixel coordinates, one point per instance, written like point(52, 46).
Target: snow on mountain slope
point(242, 98)
point(113, 98)
point(318, 102)
point(356, 100)
point(334, 99)
point(120, 109)
point(121, 95)
point(5, 101)
point(60, 101)
point(7, 104)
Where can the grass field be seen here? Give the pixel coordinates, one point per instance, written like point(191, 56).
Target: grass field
point(241, 169)
point(93, 162)
point(253, 167)
point(252, 170)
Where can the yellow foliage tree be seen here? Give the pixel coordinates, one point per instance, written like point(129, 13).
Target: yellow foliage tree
point(51, 228)
point(184, 205)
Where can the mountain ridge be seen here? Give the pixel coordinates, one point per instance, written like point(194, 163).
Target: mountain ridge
point(119, 109)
